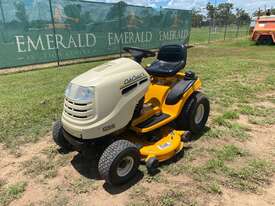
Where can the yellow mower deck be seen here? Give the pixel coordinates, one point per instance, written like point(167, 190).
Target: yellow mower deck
point(169, 144)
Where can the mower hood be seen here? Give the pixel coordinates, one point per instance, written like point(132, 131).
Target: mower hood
point(104, 72)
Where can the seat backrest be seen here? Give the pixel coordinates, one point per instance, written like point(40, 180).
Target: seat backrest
point(173, 53)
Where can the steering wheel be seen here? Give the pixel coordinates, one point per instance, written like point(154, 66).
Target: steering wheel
point(139, 53)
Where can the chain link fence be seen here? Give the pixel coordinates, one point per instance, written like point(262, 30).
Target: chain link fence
point(217, 23)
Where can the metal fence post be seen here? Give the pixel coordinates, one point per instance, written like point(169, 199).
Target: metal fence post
point(120, 27)
point(54, 33)
point(238, 28)
point(2, 12)
point(161, 10)
point(4, 20)
point(187, 40)
point(225, 32)
point(209, 33)
point(225, 28)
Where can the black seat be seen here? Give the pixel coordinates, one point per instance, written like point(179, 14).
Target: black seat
point(171, 59)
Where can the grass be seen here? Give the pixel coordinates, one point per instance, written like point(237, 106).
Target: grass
point(31, 101)
point(201, 35)
point(82, 185)
point(258, 114)
point(237, 76)
point(229, 152)
point(229, 166)
point(58, 200)
point(158, 178)
point(11, 192)
point(39, 167)
point(256, 173)
point(212, 187)
point(167, 198)
point(170, 198)
point(2, 182)
point(45, 166)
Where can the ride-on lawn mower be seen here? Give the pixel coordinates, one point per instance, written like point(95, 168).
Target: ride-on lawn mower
point(135, 114)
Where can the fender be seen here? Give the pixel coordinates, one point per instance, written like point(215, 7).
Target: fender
point(178, 90)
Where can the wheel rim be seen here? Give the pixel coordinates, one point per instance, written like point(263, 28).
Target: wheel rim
point(199, 114)
point(125, 166)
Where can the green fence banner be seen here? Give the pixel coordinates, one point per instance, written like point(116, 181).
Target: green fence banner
point(41, 31)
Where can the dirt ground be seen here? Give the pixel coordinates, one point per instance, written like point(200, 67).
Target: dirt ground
point(67, 186)
point(231, 164)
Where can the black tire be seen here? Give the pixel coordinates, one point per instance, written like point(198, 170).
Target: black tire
point(187, 118)
point(114, 156)
point(265, 40)
point(152, 165)
point(59, 138)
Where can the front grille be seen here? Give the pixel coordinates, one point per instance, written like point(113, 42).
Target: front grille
point(78, 110)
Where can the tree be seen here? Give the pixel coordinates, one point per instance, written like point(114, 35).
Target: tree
point(242, 17)
point(211, 10)
point(261, 12)
point(72, 15)
point(224, 14)
point(197, 18)
point(21, 14)
point(75, 17)
point(117, 11)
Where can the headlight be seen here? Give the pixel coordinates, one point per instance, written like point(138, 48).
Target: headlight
point(80, 94)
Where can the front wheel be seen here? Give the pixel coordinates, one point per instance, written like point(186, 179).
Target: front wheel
point(194, 114)
point(58, 137)
point(119, 162)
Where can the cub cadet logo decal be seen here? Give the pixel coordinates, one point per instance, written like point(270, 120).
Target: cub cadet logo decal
point(133, 79)
point(165, 145)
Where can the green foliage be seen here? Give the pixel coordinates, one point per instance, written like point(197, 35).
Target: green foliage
point(45, 167)
point(213, 187)
point(223, 14)
point(21, 13)
point(82, 185)
point(222, 120)
point(2, 183)
point(170, 198)
point(238, 131)
point(214, 132)
point(138, 191)
point(258, 114)
point(158, 178)
point(31, 101)
point(231, 115)
point(174, 197)
point(248, 178)
point(229, 152)
point(38, 166)
point(57, 200)
point(12, 192)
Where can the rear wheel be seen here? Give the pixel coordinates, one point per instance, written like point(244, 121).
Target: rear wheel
point(58, 137)
point(194, 114)
point(265, 40)
point(119, 162)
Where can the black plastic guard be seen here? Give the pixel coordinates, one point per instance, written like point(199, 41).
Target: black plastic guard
point(178, 90)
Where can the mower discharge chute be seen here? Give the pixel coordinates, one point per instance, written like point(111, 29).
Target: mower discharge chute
point(133, 113)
